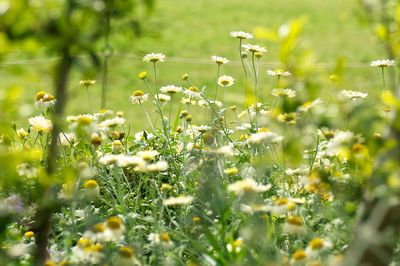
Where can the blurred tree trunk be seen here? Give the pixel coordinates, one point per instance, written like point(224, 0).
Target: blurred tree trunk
point(49, 200)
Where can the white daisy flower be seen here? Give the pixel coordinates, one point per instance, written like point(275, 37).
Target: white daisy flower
point(163, 98)
point(180, 200)
point(279, 92)
point(225, 81)
point(44, 100)
point(219, 60)
point(170, 89)
point(87, 82)
point(153, 57)
point(278, 72)
point(138, 96)
point(40, 124)
point(113, 122)
point(308, 105)
point(264, 137)
point(383, 63)
point(247, 185)
point(192, 92)
point(149, 155)
point(241, 35)
point(254, 48)
point(354, 95)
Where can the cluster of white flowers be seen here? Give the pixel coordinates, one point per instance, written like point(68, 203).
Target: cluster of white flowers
point(354, 95)
point(264, 137)
point(247, 185)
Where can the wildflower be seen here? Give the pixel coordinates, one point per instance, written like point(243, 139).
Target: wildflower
point(335, 144)
point(67, 139)
point(162, 239)
point(383, 63)
point(22, 133)
point(225, 81)
point(85, 251)
point(319, 244)
point(283, 93)
point(354, 95)
point(163, 98)
point(44, 100)
point(241, 35)
point(294, 225)
point(87, 83)
point(279, 73)
point(254, 48)
point(111, 123)
point(126, 256)
point(170, 89)
point(92, 189)
point(114, 229)
point(165, 187)
point(138, 96)
point(235, 246)
point(159, 166)
point(96, 139)
point(29, 234)
point(299, 256)
point(40, 124)
point(117, 146)
point(185, 76)
point(333, 78)
point(231, 171)
point(180, 200)
point(192, 92)
point(148, 155)
point(153, 58)
point(142, 75)
point(219, 60)
point(254, 208)
point(283, 205)
point(308, 105)
point(247, 185)
point(264, 136)
point(288, 118)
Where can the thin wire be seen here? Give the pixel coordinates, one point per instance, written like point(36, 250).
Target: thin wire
point(182, 60)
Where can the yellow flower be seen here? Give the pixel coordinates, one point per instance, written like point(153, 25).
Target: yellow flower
point(29, 234)
point(231, 171)
point(142, 75)
point(126, 252)
point(299, 255)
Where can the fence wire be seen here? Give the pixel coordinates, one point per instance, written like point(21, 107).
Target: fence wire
point(179, 60)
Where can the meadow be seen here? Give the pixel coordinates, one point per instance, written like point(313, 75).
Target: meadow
point(234, 133)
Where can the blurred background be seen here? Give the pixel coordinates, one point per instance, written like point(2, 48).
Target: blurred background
point(312, 39)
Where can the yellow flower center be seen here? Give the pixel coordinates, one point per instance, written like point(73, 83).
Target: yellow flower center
point(294, 220)
point(138, 93)
point(299, 255)
point(165, 237)
point(193, 89)
point(126, 252)
point(317, 243)
point(114, 222)
point(90, 184)
point(98, 228)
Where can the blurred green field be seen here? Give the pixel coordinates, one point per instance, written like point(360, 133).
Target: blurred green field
point(189, 32)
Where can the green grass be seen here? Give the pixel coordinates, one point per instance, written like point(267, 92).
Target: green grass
point(198, 29)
